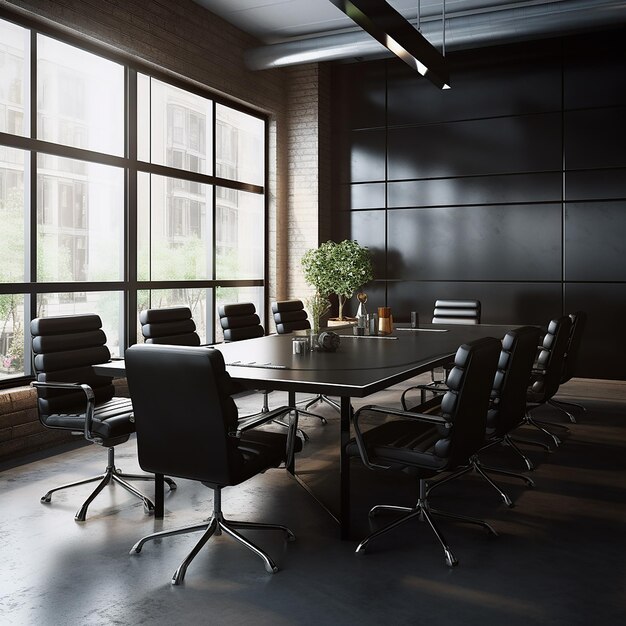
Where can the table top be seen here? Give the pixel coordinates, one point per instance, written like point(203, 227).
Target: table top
point(359, 367)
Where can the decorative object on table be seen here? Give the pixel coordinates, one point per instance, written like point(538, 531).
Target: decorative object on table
point(300, 345)
point(414, 319)
point(362, 298)
point(337, 268)
point(385, 320)
point(317, 304)
point(328, 341)
point(373, 321)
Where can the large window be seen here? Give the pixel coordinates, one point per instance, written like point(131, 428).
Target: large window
point(126, 191)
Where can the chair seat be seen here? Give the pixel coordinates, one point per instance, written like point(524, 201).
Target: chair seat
point(112, 419)
point(403, 444)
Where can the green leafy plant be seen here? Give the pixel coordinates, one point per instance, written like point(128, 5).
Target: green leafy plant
point(317, 305)
point(338, 268)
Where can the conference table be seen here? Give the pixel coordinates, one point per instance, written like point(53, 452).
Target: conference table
point(361, 366)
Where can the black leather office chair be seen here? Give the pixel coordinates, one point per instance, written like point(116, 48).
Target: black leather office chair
point(289, 315)
point(413, 446)
point(70, 396)
point(205, 442)
point(507, 407)
point(447, 312)
point(240, 321)
point(579, 321)
point(546, 376)
point(172, 326)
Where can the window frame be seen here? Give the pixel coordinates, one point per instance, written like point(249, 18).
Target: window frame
point(131, 166)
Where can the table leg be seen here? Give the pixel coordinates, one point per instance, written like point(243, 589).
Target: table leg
point(291, 401)
point(344, 469)
point(158, 496)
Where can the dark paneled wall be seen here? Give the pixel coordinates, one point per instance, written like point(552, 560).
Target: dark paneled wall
point(510, 187)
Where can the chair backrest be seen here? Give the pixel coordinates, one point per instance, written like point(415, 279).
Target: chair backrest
point(456, 312)
point(182, 412)
point(289, 315)
point(579, 320)
point(64, 349)
point(466, 402)
point(508, 394)
point(551, 358)
point(172, 325)
point(240, 321)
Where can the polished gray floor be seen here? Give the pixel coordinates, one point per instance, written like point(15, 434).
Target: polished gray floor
point(559, 558)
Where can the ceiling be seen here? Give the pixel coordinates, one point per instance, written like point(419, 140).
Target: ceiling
point(300, 31)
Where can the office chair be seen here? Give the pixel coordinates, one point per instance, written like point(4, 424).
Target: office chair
point(70, 396)
point(447, 312)
point(507, 405)
point(172, 326)
point(289, 315)
point(579, 320)
point(205, 442)
point(546, 377)
point(412, 444)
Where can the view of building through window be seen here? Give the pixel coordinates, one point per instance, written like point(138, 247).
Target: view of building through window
point(195, 189)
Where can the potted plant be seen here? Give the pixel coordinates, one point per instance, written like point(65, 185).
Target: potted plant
point(337, 268)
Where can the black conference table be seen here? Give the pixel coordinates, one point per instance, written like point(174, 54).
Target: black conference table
point(361, 366)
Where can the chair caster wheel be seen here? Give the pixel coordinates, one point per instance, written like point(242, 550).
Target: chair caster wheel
point(47, 498)
point(271, 569)
point(451, 560)
point(290, 536)
point(148, 507)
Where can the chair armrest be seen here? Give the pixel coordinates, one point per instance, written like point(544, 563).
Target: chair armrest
point(373, 408)
point(90, 404)
point(257, 420)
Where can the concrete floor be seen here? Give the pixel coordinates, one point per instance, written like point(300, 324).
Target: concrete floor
point(559, 558)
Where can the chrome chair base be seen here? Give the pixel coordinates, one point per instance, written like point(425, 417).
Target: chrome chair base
point(531, 421)
point(482, 470)
point(111, 473)
point(217, 525)
point(322, 398)
point(423, 512)
point(557, 405)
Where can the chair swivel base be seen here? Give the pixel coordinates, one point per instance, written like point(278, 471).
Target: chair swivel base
point(322, 398)
point(422, 512)
point(217, 525)
point(482, 470)
point(111, 473)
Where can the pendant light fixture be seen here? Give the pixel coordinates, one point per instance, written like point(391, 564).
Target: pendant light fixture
point(393, 31)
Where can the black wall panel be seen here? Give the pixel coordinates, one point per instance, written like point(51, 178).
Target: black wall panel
point(525, 86)
point(595, 240)
point(595, 184)
point(502, 303)
point(604, 340)
point(517, 242)
point(503, 145)
point(544, 187)
point(368, 228)
point(593, 70)
point(367, 155)
point(367, 195)
point(595, 138)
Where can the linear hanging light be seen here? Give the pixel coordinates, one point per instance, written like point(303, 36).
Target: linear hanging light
point(393, 31)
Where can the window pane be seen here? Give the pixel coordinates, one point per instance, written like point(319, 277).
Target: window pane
point(174, 229)
point(80, 98)
point(239, 234)
point(180, 132)
point(107, 304)
point(14, 79)
point(11, 335)
point(80, 220)
point(195, 299)
point(231, 295)
point(239, 146)
point(11, 215)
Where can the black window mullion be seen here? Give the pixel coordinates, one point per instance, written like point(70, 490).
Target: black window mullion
point(131, 208)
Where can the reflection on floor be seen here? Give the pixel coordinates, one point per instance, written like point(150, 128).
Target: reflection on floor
point(558, 559)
